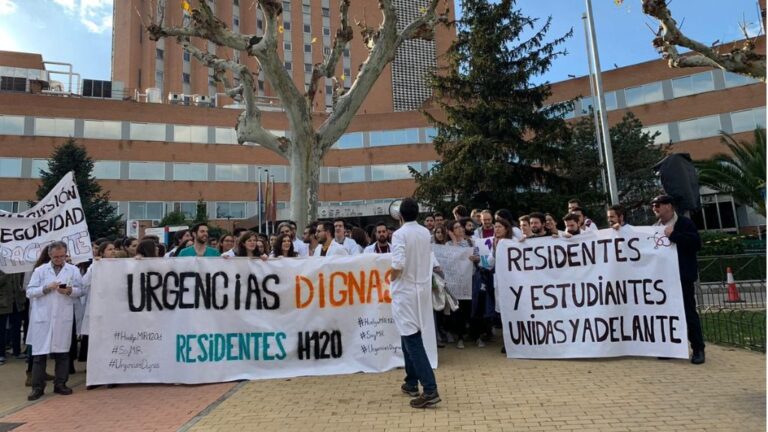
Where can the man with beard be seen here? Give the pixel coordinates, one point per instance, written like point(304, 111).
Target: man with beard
point(381, 245)
point(536, 221)
point(574, 206)
point(615, 216)
point(571, 225)
point(310, 240)
point(327, 246)
point(429, 223)
point(683, 232)
point(200, 248)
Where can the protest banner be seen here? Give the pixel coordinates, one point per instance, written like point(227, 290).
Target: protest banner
point(200, 320)
point(58, 216)
point(454, 260)
point(601, 294)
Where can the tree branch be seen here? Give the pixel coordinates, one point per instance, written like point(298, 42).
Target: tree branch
point(742, 60)
point(327, 69)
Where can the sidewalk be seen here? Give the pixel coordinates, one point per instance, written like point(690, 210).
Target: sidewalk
point(481, 390)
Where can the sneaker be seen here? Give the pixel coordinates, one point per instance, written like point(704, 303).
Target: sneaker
point(460, 344)
point(410, 391)
point(480, 343)
point(425, 400)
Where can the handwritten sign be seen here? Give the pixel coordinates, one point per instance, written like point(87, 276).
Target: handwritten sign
point(602, 294)
point(199, 320)
point(454, 260)
point(58, 216)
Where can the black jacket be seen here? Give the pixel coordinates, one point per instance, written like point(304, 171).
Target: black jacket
point(686, 236)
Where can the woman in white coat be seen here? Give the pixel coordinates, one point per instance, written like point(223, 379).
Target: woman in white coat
point(52, 290)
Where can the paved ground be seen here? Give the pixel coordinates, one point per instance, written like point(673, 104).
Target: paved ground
point(481, 390)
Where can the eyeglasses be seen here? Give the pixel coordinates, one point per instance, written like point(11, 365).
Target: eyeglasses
point(655, 205)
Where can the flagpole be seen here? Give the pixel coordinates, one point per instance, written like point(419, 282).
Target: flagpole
point(274, 206)
point(259, 199)
point(266, 203)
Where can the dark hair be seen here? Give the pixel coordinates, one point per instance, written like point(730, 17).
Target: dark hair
point(436, 214)
point(327, 226)
point(146, 248)
point(161, 249)
point(575, 201)
point(43, 258)
point(181, 247)
point(237, 231)
point(152, 237)
point(577, 209)
point(102, 248)
point(240, 249)
point(505, 214)
point(618, 209)
point(118, 243)
point(429, 216)
point(360, 237)
point(537, 215)
point(464, 222)
point(409, 209)
point(197, 226)
point(278, 250)
point(460, 211)
point(507, 226)
point(178, 235)
point(221, 241)
point(340, 220)
point(284, 224)
point(571, 217)
point(127, 241)
point(524, 218)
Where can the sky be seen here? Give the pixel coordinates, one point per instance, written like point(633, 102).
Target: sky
point(80, 31)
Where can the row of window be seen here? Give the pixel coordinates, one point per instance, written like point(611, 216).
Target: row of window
point(708, 126)
point(654, 92)
point(113, 130)
point(112, 170)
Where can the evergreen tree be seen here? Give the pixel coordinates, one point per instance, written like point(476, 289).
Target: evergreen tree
point(173, 218)
point(498, 141)
point(101, 216)
point(634, 154)
point(201, 213)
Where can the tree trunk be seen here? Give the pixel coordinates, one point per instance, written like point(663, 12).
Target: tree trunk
point(305, 163)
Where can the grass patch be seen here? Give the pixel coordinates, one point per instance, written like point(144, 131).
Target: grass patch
point(741, 328)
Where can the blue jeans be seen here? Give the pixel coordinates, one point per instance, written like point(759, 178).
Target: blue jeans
point(417, 367)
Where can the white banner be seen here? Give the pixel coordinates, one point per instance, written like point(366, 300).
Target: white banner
point(58, 216)
point(454, 260)
point(199, 320)
point(602, 294)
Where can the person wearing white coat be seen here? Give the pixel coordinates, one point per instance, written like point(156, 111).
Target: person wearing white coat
point(51, 292)
point(411, 289)
point(327, 245)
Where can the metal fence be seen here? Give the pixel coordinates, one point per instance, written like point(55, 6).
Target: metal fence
point(736, 317)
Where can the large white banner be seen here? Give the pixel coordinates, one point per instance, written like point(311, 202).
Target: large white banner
point(199, 320)
point(601, 294)
point(454, 260)
point(58, 216)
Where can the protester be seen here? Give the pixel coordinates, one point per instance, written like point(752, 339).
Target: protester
point(262, 251)
point(310, 239)
point(502, 230)
point(550, 224)
point(147, 249)
point(439, 219)
point(536, 222)
point(412, 303)
point(381, 245)
point(361, 238)
point(185, 244)
point(285, 247)
point(105, 250)
point(12, 306)
point(272, 241)
point(429, 222)
point(289, 229)
point(439, 235)
point(214, 243)
point(327, 246)
point(226, 243)
point(341, 238)
point(52, 290)
point(683, 233)
point(475, 216)
point(572, 227)
point(179, 239)
point(525, 226)
point(119, 250)
point(200, 247)
point(462, 318)
point(574, 206)
point(460, 212)
point(485, 228)
point(615, 216)
point(129, 246)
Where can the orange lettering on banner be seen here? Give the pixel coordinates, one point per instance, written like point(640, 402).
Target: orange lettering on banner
point(342, 289)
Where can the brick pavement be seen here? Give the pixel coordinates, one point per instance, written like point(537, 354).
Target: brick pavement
point(481, 390)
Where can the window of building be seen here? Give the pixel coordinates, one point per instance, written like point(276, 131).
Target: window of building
point(279, 173)
point(610, 102)
point(352, 174)
point(146, 170)
point(350, 141)
point(287, 46)
point(286, 6)
point(391, 171)
point(662, 129)
point(13, 84)
point(307, 67)
point(58, 127)
point(329, 90)
point(326, 12)
point(327, 51)
point(259, 24)
point(158, 53)
point(107, 170)
point(287, 25)
point(347, 72)
point(644, 94)
point(185, 78)
point(190, 134)
point(190, 171)
point(236, 21)
point(98, 129)
point(188, 208)
point(230, 210)
point(735, 80)
point(307, 28)
point(326, 31)
point(748, 120)
point(11, 125)
point(9, 206)
point(226, 135)
point(148, 131)
point(692, 84)
point(431, 133)
point(394, 137)
point(346, 52)
point(146, 210)
point(701, 127)
point(38, 165)
point(306, 9)
point(288, 66)
point(232, 173)
point(307, 48)
point(187, 56)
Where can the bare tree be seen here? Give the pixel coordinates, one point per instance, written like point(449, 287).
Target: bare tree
point(740, 58)
point(305, 146)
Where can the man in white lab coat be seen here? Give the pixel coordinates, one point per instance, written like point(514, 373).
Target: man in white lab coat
point(411, 302)
point(51, 292)
point(326, 245)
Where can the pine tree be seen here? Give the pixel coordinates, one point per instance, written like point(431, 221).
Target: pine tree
point(101, 216)
point(201, 212)
point(499, 140)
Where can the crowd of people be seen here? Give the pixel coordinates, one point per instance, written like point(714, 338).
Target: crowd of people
point(54, 315)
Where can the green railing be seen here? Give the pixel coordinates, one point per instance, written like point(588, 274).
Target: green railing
point(742, 328)
point(744, 267)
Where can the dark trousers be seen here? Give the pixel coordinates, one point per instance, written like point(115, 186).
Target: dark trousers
point(417, 367)
point(61, 374)
point(12, 320)
point(695, 336)
point(73, 346)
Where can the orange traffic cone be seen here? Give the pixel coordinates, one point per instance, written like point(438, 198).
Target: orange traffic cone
point(733, 292)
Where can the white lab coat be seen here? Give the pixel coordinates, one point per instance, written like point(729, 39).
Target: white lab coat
point(333, 249)
point(412, 291)
point(301, 248)
point(51, 315)
point(371, 248)
point(351, 246)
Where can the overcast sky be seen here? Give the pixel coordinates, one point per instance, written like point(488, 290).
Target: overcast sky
point(80, 31)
